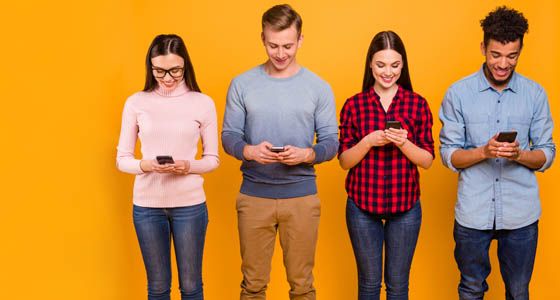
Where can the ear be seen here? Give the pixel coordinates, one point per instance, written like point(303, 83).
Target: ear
point(300, 40)
point(482, 48)
point(262, 37)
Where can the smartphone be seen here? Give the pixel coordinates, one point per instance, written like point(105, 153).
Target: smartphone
point(393, 124)
point(277, 149)
point(165, 159)
point(507, 136)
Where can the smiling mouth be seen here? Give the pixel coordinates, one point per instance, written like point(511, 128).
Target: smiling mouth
point(387, 79)
point(502, 72)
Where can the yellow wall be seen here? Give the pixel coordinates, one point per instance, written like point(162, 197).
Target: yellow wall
point(68, 67)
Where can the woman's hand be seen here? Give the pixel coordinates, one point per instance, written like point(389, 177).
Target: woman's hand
point(397, 136)
point(181, 167)
point(151, 165)
point(376, 139)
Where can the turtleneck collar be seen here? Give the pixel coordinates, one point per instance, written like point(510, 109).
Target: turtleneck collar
point(181, 89)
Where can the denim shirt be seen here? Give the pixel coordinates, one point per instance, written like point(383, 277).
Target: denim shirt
point(496, 191)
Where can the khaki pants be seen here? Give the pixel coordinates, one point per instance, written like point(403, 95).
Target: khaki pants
point(297, 222)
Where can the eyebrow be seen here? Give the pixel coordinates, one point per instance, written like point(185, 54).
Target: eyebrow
point(392, 63)
point(174, 67)
point(289, 44)
point(507, 54)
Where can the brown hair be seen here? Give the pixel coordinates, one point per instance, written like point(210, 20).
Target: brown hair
point(382, 41)
point(164, 44)
point(281, 17)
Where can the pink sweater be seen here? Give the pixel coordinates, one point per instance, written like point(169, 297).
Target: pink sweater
point(168, 123)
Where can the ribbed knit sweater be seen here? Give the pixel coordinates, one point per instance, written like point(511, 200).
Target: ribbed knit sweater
point(168, 123)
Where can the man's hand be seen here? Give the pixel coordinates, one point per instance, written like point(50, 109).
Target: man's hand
point(509, 150)
point(260, 153)
point(495, 149)
point(294, 155)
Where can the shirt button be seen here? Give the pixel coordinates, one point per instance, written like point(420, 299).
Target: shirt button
point(498, 121)
point(497, 179)
point(499, 101)
point(497, 160)
point(493, 199)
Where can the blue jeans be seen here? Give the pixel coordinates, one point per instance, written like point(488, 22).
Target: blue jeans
point(187, 226)
point(516, 254)
point(368, 232)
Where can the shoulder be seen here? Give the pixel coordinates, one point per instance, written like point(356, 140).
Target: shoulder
point(414, 98)
point(356, 100)
point(314, 80)
point(137, 98)
point(247, 77)
point(412, 95)
point(524, 83)
point(468, 81)
point(200, 98)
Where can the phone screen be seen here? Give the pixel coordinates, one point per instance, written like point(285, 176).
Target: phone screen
point(393, 124)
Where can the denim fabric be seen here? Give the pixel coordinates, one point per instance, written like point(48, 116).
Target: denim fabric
point(187, 226)
point(516, 254)
point(368, 233)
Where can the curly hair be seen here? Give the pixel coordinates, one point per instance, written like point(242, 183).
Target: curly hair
point(504, 25)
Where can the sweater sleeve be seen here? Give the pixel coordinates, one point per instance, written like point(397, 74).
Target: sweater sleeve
point(209, 136)
point(325, 127)
point(126, 162)
point(233, 131)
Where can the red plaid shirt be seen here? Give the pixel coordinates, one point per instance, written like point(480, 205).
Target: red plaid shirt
point(385, 181)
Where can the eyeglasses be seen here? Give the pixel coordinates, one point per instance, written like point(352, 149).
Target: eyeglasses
point(173, 72)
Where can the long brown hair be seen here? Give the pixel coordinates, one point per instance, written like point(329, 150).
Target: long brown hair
point(164, 44)
point(382, 41)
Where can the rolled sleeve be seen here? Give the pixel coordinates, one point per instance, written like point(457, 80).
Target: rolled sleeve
point(423, 130)
point(452, 134)
point(541, 130)
point(348, 135)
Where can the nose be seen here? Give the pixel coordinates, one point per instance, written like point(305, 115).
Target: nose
point(387, 71)
point(167, 74)
point(280, 52)
point(503, 63)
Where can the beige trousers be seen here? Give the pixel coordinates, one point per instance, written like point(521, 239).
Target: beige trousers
point(297, 222)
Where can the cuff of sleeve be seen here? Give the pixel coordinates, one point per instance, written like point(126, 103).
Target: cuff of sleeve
point(238, 150)
point(549, 158)
point(140, 171)
point(131, 166)
point(320, 154)
point(446, 159)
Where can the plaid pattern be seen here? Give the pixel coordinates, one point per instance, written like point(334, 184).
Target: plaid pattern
point(385, 181)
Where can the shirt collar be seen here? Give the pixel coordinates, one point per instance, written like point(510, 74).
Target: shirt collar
point(398, 95)
point(484, 84)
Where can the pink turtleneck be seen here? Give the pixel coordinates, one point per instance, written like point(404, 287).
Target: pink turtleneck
point(168, 123)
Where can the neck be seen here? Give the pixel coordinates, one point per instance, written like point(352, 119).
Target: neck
point(498, 85)
point(385, 93)
point(289, 71)
point(178, 90)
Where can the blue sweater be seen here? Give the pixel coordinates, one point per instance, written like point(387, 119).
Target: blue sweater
point(282, 111)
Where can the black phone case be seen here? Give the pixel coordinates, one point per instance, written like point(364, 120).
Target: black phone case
point(165, 159)
point(393, 124)
point(506, 136)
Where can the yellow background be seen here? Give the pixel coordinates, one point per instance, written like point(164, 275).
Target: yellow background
point(68, 66)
